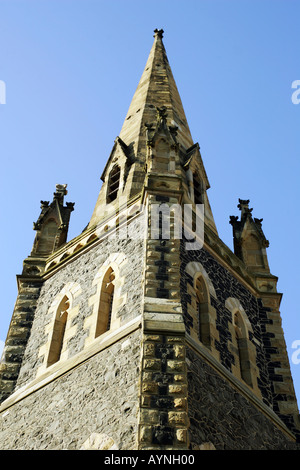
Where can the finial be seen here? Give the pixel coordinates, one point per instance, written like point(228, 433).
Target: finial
point(159, 33)
point(244, 207)
point(243, 202)
point(61, 188)
point(60, 192)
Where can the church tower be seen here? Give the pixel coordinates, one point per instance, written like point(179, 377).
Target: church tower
point(146, 332)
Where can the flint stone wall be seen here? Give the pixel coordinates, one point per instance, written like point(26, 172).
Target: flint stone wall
point(82, 271)
point(225, 286)
point(221, 416)
point(100, 397)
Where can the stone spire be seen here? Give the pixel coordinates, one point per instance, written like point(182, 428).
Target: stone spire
point(156, 89)
point(156, 104)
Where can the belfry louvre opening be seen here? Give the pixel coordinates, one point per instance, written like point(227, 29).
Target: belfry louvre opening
point(113, 183)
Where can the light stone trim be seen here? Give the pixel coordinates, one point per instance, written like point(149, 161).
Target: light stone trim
point(98, 441)
point(116, 261)
point(130, 208)
point(195, 269)
point(164, 322)
point(234, 305)
point(251, 372)
point(163, 315)
point(72, 290)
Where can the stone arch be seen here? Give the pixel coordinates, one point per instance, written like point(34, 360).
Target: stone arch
point(59, 330)
point(241, 346)
point(51, 265)
point(234, 305)
point(200, 309)
point(58, 333)
point(202, 304)
point(103, 298)
point(92, 238)
point(194, 269)
point(78, 247)
point(106, 303)
point(197, 186)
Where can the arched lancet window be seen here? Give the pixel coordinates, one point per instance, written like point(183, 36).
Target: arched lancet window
point(197, 189)
point(240, 334)
point(202, 301)
point(242, 345)
point(58, 333)
point(244, 348)
point(106, 303)
point(113, 183)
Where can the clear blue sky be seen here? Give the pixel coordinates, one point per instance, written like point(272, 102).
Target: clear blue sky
point(71, 68)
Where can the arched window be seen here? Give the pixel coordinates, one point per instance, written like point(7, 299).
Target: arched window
point(202, 302)
point(113, 183)
point(58, 333)
point(240, 335)
point(245, 352)
point(106, 303)
point(197, 189)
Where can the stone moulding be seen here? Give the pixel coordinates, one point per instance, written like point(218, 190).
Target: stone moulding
point(95, 234)
point(71, 291)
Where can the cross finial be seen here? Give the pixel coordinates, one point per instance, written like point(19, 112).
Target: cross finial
point(244, 207)
point(159, 33)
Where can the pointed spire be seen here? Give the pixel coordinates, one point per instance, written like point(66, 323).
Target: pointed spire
point(156, 89)
point(156, 106)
